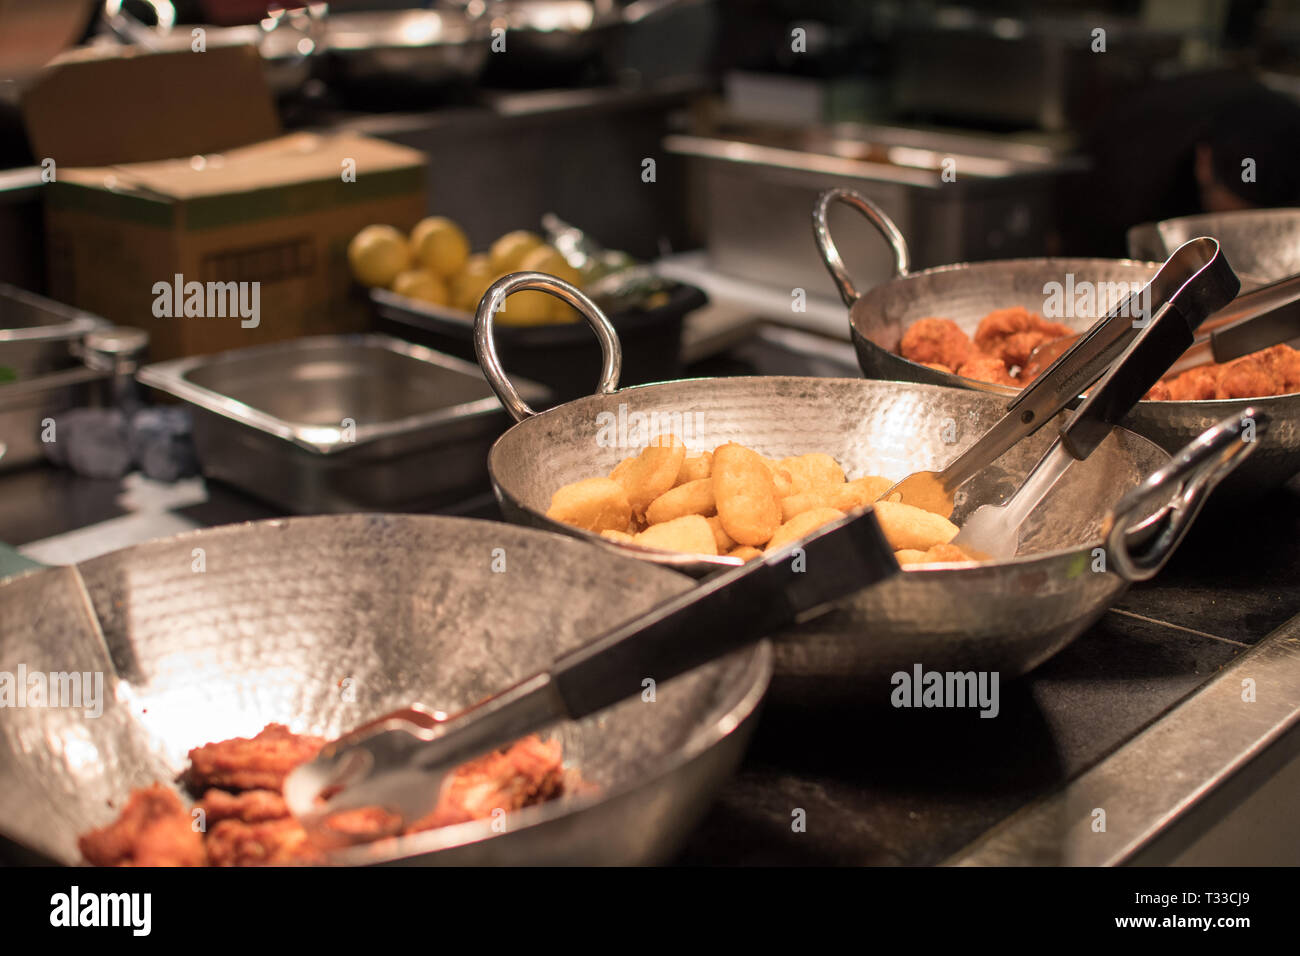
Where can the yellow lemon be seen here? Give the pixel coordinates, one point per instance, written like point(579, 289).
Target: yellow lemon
point(508, 251)
point(547, 259)
point(377, 254)
point(421, 284)
point(439, 245)
point(469, 284)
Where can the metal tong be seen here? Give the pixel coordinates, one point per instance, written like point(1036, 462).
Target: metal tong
point(994, 530)
point(1195, 281)
point(399, 764)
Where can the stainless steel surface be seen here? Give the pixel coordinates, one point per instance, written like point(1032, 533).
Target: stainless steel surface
point(485, 348)
point(337, 423)
point(1262, 244)
point(749, 187)
point(26, 406)
point(1169, 785)
point(287, 611)
point(37, 334)
point(994, 529)
point(966, 292)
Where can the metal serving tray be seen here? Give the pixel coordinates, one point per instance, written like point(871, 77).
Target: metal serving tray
point(338, 423)
point(37, 334)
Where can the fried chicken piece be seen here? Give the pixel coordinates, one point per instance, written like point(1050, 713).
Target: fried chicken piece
point(251, 806)
point(153, 829)
point(1271, 371)
point(256, 763)
point(1011, 334)
point(935, 342)
point(1159, 392)
point(527, 772)
point(1195, 384)
point(280, 842)
point(986, 368)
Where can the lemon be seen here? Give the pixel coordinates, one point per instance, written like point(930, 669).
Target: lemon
point(469, 284)
point(547, 259)
point(508, 251)
point(421, 284)
point(377, 254)
point(439, 245)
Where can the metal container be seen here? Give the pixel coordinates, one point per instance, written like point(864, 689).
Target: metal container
point(966, 292)
point(26, 406)
point(338, 422)
point(1007, 616)
point(1263, 245)
point(994, 198)
point(325, 623)
point(39, 335)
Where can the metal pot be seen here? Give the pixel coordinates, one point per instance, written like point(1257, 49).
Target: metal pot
point(325, 623)
point(1263, 245)
point(966, 292)
point(1007, 615)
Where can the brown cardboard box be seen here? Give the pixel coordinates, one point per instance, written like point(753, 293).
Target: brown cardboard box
point(278, 212)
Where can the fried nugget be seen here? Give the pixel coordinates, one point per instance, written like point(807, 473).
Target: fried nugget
point(724, 541)
point(153, 829)
point(745, 553)
point(794, 505)
point(622, 537)
point(692, 498)
point(909, 528)
point(858, 493)
point(1011, 334)
point(652, 472)
point(689, 533)
point(909, 556)
point(801, 526)
point(595, 504)
point(251, 806)
point(745, 494)
point(986, 368)
point(934, 341)
point(256, 763)
point(1195, 384)
point(280, 842)
point(695, 467)
point(813, 471)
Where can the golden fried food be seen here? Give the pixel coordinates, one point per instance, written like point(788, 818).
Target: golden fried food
point(251, 806)
point(746, 495)
point(153, 829)
point(620, 536)
point(596, 504)
point(724, 542)
point(986, 368)
point(528, 772)
point(809, 472)
point(745, 553)
point(1011, 334)
point(695, 467)
point(256, 763)
point(652, 472)
point(859, 492)
point(935, 341)
point(281, 842)
point(693, 498)
point(909, 528)
point(802, 525)
point(689, 533)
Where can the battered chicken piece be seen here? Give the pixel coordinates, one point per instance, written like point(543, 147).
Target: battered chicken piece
point(153, 829)
point(251, 806)
point(935, 341)
point(256, 763)
point(1011, 334)
point(986, 368)
point(527, 772)
point(1195, 384)
point(280, 842)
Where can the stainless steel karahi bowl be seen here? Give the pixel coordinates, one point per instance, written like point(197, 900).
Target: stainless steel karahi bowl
point(966, 292)
point(1263, 245)
point(1007, 615)
point(324, 623)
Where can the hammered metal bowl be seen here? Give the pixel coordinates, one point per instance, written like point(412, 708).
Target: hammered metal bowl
point(1263, 245)
point(966, 292)
point(324, 623)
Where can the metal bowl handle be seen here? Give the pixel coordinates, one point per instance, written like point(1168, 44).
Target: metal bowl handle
point(485, 346)
point(1192, 475)
point(831, 255)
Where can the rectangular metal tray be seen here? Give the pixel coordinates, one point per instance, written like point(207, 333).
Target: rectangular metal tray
point(25, 404)
point(37, 334)
point(337, 423)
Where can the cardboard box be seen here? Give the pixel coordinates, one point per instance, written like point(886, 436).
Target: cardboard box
point(266, 221)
